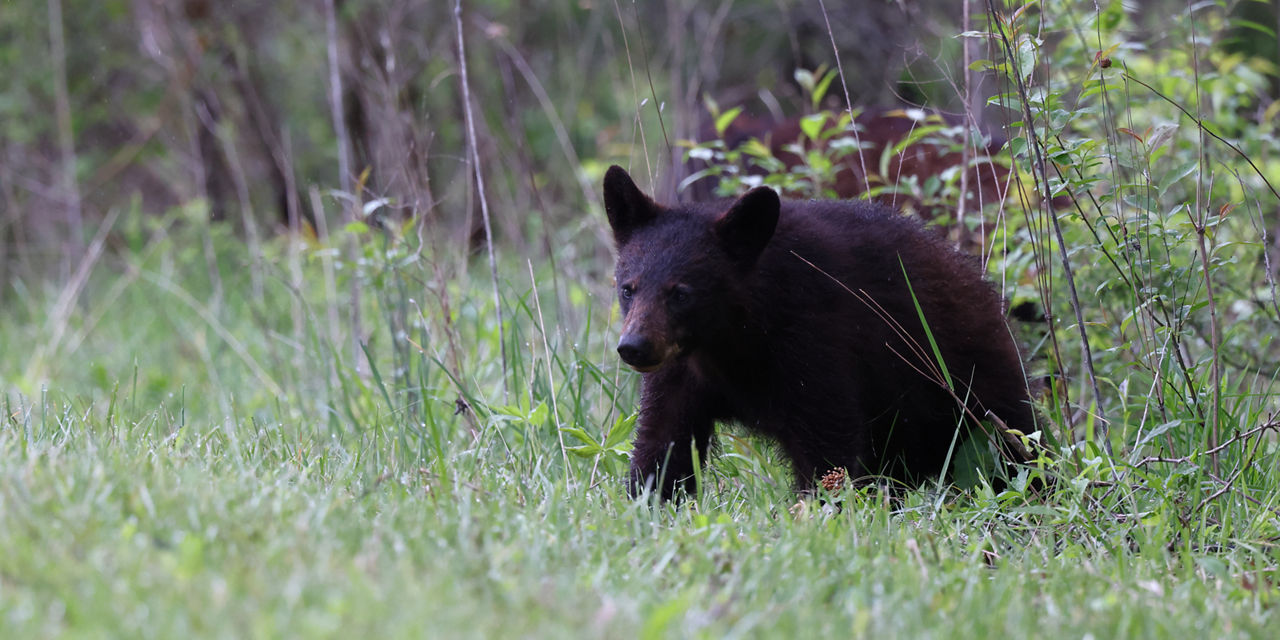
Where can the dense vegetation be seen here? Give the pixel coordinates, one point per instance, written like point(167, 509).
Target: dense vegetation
point(274, 363)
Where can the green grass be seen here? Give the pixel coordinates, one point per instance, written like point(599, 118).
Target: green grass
point(156, 481)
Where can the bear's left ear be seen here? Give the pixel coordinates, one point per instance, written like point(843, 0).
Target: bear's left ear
point(626, 205)
point(747, 226)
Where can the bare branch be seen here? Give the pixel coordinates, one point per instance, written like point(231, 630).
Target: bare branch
point(484, 201)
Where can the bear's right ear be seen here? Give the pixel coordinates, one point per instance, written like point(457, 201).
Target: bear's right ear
point(628, 208)
point(748, 225)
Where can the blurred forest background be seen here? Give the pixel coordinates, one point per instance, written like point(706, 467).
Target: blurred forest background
point(276, 115)
point(267, 116)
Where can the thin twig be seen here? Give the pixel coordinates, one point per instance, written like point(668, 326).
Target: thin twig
point(553, 116)
point(848, 104)
point(1200, 124)
point(1266, 426)
point(1230, 482)
point(335, 96)
point(1198, 220)
point(551, 383)
point(1041, 171)
point(635, 91)
point(59, 317)
point(345, 179)
point(66, 132)
point(968, 107)
point(484, 201)
point(227, 336)
point(653, 93)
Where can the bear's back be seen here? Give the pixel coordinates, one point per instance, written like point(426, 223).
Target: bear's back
point(855, 228)
point(861, 245)
point(859, 274)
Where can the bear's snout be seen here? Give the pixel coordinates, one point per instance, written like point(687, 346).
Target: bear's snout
point(637, 351)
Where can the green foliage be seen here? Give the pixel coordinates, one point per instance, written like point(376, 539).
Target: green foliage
point(828, 144)
point(1163, 227)
point(827, 140)
point(322, 435)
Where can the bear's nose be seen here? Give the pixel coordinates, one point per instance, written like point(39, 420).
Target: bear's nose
point(635, 350)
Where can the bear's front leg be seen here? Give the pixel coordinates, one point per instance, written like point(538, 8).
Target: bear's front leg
point(818, 441)
point(676, 414)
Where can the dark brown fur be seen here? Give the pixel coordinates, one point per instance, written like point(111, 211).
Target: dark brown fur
point(795, 320)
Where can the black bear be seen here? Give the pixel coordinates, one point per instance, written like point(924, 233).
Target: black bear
point(845, 332)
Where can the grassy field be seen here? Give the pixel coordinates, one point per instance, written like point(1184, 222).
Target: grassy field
point(219, 464)
point(217, 421)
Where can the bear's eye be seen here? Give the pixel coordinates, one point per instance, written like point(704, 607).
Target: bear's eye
point(680, 295)
point(626, 291)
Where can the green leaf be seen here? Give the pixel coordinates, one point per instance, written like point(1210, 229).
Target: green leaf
point(755, 148)
point(1026, 58)
point(1017, 147)
point(725, 119)
point(933, 344)
point(1156, 433)
point(804, 78)
point(812, 125)
point(539, 414)
point(1256, 26)
point(579, 433)
point(821, 90)
point(586, 451)
point(621, 431)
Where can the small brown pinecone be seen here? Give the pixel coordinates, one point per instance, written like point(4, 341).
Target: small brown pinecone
point(834, 479)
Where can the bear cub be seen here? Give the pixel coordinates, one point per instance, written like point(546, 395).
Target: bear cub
point(801, 321)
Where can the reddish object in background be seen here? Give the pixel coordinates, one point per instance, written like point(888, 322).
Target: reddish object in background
point(933, 154)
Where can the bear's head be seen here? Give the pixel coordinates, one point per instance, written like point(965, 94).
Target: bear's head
point(682, 271)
